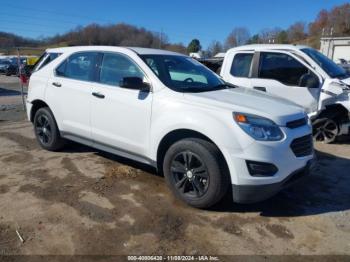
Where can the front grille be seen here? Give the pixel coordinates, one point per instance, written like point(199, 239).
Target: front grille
point(302, 146)
point(297, 123)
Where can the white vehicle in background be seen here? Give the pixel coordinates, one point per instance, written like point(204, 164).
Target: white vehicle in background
point(168, 110)
point(299, 74)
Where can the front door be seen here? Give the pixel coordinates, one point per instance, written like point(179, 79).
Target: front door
point(120, 117)
point(285, 75)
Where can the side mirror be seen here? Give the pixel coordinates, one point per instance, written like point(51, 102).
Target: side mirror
point(135, 83)
point(309, 80)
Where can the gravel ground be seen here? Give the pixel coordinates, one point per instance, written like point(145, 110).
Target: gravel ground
point(82, 201)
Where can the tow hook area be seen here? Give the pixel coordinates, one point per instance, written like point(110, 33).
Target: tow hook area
point(345, 129)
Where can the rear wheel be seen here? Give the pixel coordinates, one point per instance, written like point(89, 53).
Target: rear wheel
point(325, 130)
point(194, 170)
point(46, 130)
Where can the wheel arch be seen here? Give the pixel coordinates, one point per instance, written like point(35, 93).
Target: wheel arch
point(37, 104)
point(335, 111)
point(176, 135)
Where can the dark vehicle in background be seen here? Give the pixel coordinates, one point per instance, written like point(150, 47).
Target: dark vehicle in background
point(7, 67)
point(214, 64)
point(10, 66)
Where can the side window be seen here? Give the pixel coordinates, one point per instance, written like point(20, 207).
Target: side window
point(241, 65)
point(80, 66)
point(115, 67)
point(281, 67)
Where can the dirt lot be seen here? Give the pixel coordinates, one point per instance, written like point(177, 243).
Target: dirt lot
point(81, 201)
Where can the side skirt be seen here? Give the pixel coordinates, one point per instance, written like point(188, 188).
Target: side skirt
point(109, 149)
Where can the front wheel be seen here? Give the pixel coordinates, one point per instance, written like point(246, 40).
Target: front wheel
point(325, 130)
point(194, 171)
point(46, 130)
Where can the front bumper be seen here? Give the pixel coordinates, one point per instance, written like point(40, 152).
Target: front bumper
point(29, 106)
point(247, 194)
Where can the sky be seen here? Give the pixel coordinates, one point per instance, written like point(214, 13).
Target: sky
point(181, 20)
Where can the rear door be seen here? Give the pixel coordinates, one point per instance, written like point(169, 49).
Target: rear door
point(238, 72)
point(69, 93)
point(285, 75)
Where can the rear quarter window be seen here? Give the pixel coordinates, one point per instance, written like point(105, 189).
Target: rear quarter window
point(79, 66)
point(241, 65)
point(44, 60)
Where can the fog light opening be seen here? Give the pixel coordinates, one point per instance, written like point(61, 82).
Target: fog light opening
point(261, 169)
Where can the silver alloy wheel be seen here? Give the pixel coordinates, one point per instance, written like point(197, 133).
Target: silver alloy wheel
point(325, 130)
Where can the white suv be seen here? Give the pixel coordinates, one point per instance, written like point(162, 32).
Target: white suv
point(168, 110)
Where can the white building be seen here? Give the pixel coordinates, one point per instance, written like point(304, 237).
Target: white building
point(336, 48)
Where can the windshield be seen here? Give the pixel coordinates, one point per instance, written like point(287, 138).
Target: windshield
point(331, 68)
point(183, 74)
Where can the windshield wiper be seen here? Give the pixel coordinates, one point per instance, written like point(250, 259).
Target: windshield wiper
point(229, 85)
point(207, 89)
point(226, 86)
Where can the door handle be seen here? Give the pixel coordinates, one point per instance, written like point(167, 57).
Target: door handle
point(56, 84)
point(98, 95)
point(260, 88)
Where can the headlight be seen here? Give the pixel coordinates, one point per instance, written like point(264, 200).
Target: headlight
point(259, 128)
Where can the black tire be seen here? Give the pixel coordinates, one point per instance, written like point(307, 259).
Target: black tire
point(195, 172)
point(46, 130)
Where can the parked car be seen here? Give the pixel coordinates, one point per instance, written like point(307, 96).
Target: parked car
point(169, 111)
point(299, 74)
point(10, 66)
point(6, 67)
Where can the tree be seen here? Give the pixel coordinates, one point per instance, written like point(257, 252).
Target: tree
point(214, 48)
point(297, 32)
point(179, 48)
point(238, 36)
point(194, 46)
point(282, 37)
point(269, 35)
point(316, 28)
point(255, 39)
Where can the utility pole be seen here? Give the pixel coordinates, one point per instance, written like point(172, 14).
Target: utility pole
point(161, 38)
point(19, 65)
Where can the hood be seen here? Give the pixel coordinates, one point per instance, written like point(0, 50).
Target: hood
point(346, 81)
point(249, 101)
